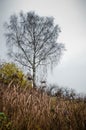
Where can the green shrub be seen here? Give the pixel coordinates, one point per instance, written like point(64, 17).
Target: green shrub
point(5, 124)
point(9, 72)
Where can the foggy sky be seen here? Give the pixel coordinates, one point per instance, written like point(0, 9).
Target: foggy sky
point(71, 17)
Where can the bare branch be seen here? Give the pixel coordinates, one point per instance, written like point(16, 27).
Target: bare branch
point(33, 40)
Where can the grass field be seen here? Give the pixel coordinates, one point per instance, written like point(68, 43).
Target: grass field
point(32, 109)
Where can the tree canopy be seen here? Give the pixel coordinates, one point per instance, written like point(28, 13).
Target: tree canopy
point(32, 40)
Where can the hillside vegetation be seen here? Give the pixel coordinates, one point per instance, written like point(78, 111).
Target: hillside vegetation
point(25, 108)
point(33, 109)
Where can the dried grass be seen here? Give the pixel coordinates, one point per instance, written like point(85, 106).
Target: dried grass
point(31, 109)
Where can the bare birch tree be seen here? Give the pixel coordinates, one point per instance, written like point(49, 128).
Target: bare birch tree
point(32, 40)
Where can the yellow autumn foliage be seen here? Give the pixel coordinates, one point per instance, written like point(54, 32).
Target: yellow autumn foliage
point(9, 72)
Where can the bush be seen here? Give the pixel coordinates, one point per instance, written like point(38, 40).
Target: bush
point(5, 124)
point(10, 73)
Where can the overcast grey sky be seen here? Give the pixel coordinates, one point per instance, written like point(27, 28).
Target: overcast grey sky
point(71, 17)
